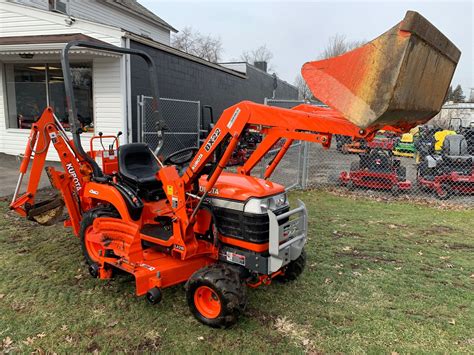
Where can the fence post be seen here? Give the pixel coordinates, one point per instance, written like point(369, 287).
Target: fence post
point(304, 167)
point(139, 119)
point(198, 140)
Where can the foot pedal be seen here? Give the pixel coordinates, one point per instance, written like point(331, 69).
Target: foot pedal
point(157, 231)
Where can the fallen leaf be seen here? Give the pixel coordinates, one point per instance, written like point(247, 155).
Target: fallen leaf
point(327, 280)
point(68, 339)
point(29, 341)
point(2, 295)
point(201, 338)
point(346, 248)
point(78, 277)
point(40, 335)
point(7, 342)
point(452, 321)
point(64, 327)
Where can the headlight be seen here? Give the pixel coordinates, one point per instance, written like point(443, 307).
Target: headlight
point(261, 205)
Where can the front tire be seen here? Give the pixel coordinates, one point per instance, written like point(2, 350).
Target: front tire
point(216, 295)
point(90, 249)
point(294, 269)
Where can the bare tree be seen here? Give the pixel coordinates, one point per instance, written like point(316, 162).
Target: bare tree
point(203, 46)
point(304, 92)
point(337, 45)
point(260, 54)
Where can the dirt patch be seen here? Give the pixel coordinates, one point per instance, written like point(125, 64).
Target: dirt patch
point(459, 246)
point(296, 333)
point(340, 234)
point(264, 318)
point(438, 229)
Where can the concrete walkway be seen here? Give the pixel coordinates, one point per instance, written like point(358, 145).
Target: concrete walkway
point(9, 171)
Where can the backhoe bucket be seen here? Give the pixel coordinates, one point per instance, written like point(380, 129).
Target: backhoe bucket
point(400, 78)
point(46, 212)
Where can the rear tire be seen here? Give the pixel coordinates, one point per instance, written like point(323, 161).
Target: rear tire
point(294, 269)
point(446, 192)
point(88, 249)
point(216, 295)
point(402, 173)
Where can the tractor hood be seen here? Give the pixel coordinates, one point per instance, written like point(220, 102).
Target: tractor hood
point(398, 79)
point(241, 187)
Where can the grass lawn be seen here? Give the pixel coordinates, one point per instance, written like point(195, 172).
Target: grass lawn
point(381, 277)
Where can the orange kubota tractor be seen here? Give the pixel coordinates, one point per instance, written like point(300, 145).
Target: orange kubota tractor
point(184, 219)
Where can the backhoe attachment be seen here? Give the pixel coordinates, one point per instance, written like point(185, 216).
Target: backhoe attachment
point(398, 79)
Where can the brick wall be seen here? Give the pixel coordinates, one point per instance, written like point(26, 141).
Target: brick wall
point(181, 78)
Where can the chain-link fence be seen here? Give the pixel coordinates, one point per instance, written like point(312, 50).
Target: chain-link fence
point(434, 161)
point(182, 118)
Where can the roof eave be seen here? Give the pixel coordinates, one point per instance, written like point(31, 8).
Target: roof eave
point(161, 23)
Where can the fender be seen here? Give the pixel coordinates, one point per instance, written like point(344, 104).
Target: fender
point(111, 194)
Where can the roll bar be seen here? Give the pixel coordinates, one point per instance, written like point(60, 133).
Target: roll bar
point(71, 107)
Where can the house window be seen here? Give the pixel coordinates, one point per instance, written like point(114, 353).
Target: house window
point(33, 87)
point(58, 6)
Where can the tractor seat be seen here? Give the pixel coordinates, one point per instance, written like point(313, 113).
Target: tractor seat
point(455, 148)
point(138, 168)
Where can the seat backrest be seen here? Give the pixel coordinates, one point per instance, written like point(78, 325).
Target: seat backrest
point(455, 145)
point(136, 161)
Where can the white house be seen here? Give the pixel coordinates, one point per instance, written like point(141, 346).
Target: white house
point(32, 34)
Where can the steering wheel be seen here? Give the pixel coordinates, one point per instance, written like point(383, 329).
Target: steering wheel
point(181, 157)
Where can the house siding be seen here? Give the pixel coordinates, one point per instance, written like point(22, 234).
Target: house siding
point(22, 21)
point(106, 14)
point(181, 78)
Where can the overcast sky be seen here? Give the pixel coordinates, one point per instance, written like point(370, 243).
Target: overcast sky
point(297, 32)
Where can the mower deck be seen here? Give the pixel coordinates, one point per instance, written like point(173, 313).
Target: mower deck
point(156, 269)
point(373, 180)
point(445, 184)
point(403, 154)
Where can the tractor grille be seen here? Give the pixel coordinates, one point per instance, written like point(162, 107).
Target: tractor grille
point(249, 227)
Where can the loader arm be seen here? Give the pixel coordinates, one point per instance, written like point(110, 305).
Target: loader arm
point(304, 122)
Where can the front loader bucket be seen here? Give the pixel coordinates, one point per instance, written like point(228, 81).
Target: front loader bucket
point(399, 79)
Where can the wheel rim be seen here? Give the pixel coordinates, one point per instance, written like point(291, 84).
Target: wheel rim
point(207, 302)
point(93, 248)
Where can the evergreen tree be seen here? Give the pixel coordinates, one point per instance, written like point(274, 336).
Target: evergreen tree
point(458, 95)
point(449, 94)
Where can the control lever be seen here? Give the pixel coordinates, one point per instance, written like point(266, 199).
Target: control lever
point(100, 139)
point(111, 146)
